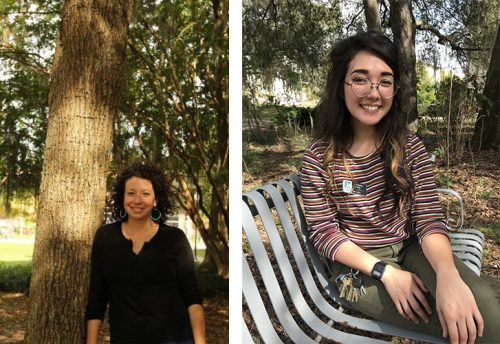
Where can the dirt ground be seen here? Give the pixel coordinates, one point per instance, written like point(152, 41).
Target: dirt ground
point(13, 313)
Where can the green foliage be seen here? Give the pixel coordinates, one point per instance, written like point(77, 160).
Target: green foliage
point(287, 40)
point(469, 24)
point(251, 159)
point(294, 116)
point(481, 189)
point(23, 119)
point(454, 113)
point(22, 206)
point(15, 276)
point(439, 152)
point(444, 180)
point(426, 95)
point(492, 231)
point(175, 109)
point(175, 102)
point(212, 284)
point(28, 42)
point(483, 194)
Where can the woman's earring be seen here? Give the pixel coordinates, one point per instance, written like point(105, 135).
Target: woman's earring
point(122, 214)
point(155, 214)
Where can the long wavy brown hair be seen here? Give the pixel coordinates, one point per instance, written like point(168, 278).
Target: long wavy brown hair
point(334, 120)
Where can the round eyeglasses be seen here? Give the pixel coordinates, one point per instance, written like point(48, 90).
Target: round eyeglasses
point(362, 87)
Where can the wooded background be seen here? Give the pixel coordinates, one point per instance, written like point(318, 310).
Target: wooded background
point(289, 40)
point(449, 51)
point(85, 88)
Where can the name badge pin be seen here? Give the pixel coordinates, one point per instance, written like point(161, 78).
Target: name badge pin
point(347, 186)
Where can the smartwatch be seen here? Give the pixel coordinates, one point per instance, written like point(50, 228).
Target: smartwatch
point(378, 270)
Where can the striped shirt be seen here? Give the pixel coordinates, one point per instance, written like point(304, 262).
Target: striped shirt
point(354, 215)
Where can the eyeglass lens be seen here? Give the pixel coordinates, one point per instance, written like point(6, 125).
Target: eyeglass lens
point(362, 87)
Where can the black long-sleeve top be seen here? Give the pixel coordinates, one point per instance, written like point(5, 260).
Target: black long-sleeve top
point(149, 292)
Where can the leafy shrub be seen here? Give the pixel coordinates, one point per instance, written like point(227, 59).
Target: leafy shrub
point(212, 284)
point(15, 276)
point(444, 180)
point(294, 116)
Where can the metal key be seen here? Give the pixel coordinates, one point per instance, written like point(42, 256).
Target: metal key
point(345, 286)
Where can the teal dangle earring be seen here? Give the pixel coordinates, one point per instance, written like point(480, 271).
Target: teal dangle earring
point(122, 214)
point(155, 214)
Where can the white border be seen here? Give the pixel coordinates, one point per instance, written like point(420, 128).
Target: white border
point(235, 170)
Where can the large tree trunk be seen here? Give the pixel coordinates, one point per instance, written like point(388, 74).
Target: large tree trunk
point(487, 130)
point(85, 91)
point(403, 28)
point(372, 14)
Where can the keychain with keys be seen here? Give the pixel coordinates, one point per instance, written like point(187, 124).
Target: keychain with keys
point(351, 286)
point(357, 285)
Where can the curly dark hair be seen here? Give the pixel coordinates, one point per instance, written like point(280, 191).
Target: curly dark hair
point(146, 170)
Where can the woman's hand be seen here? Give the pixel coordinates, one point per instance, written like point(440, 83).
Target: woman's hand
point(407, 292)
point(458, 312)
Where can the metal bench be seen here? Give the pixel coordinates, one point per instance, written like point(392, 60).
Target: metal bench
point(287, 293)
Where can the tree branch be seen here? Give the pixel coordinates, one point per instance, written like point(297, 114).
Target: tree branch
point(17, 55)
point(30, 12)
point(354, 19)
point(443, 39)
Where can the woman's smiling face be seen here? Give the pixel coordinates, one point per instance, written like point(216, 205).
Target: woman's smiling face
point(368, 110)
point(139, 198)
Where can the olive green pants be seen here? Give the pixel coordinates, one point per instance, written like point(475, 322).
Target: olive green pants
point(377, 303)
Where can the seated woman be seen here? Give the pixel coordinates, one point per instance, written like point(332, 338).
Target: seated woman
point(372, 208)
point(143, 268)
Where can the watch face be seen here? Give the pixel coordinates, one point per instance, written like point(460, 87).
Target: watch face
point(378, 270)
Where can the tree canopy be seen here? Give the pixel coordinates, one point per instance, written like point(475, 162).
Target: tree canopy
point(443, 35)
point(287, 40)
point(174, 110)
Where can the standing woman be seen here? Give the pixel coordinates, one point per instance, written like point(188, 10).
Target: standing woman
point(143, 268)
point(373, 210)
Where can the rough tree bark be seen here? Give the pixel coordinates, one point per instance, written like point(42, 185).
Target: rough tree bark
point(372, 15)
point(487, 129)
point(403, 27)
point(85, 91)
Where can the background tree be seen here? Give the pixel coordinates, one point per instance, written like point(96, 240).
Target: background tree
point(468, 28)
point(23, 124)
point(176, 108)
point(487, 129)
point(403, 29)
point(372, 15)
point(86, 83)
point(23, 101)
point(285, 40)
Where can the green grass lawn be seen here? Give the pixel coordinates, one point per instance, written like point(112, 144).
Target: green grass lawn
point(15, 266)
point(15, 252)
